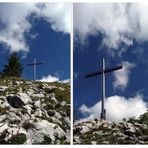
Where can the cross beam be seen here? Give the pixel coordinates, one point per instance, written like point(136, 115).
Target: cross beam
point(103, 72)
point(34, 64)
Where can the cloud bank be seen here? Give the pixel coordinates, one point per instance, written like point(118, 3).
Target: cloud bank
point(14, 21)
point(49, 78)
point(117, 108)
point(119, 23)
point(121, 77)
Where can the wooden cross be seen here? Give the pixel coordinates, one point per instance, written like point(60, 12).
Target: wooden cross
point(103, 72)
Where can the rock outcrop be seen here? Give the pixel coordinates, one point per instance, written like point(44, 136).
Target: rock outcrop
point(133, 131)
point(34, 112)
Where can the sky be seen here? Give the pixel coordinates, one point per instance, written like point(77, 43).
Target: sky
point(118, 32)
point(37, 30)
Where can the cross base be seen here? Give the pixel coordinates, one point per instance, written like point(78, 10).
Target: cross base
point(103, 115)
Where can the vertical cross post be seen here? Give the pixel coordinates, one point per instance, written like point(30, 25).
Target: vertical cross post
point(103, 112)
point(34, 71)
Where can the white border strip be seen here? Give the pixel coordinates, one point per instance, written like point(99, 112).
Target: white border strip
point(73, 1)
point(71, 73)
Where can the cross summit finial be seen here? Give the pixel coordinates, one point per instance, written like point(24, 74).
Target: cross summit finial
point(34, 64)
point(103, 72)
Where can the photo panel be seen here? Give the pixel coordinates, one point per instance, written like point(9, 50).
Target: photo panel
point(110, 73)
point(35, 73)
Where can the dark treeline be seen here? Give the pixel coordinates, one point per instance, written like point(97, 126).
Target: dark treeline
point(13, 67)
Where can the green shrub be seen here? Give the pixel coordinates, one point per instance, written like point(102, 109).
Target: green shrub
point(49, 106)
point(57, 105)
point(28, 125)
point(62, 139)
point(47, 140)
point(131, 120)
point(2, 136)
point(18, 139)
point(144, 118)
point(145, 131)
point(62, 95)
point(49, 91)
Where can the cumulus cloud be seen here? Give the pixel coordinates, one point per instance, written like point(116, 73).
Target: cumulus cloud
point(117, 22)
point(58, 15)
point(49, 78)
point(121, 77)
point(117, 108)
point(14, 21)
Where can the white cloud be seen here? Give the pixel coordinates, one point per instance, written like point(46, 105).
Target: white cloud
point(49, 78)
point(65, 81)
point(14, 21)
point(117, 108)
point(58, 15)
point(119, 23)
point(121, 77)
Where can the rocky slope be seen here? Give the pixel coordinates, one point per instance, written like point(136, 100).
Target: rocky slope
point(133, 131)
point(34, 112)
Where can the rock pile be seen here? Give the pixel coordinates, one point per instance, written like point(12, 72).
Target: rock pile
point(34, 112)
point(107, 132)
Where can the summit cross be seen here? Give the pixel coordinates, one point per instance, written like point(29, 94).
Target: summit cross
point(103, 72)
point(34, 64)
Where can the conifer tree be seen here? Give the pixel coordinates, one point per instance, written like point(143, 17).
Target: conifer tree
point(14, 67)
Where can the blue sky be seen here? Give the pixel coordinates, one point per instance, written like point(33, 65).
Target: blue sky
point(126, 90)
point(37, 31)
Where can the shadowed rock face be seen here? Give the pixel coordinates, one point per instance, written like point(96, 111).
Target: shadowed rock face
point(15, 101)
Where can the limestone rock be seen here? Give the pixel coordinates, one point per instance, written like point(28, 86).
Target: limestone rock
point(31, 113)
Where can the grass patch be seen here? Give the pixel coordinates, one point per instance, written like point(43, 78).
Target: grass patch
point(47, 140)
point(62, 95)
point(49, 106)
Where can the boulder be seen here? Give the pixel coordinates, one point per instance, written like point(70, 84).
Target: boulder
point(15, 83)
point(38, 103)
point(3, 88)
point(58, 115)
point(48, 129)
point(15, 101)
point(84, 129)
point(25, 98)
